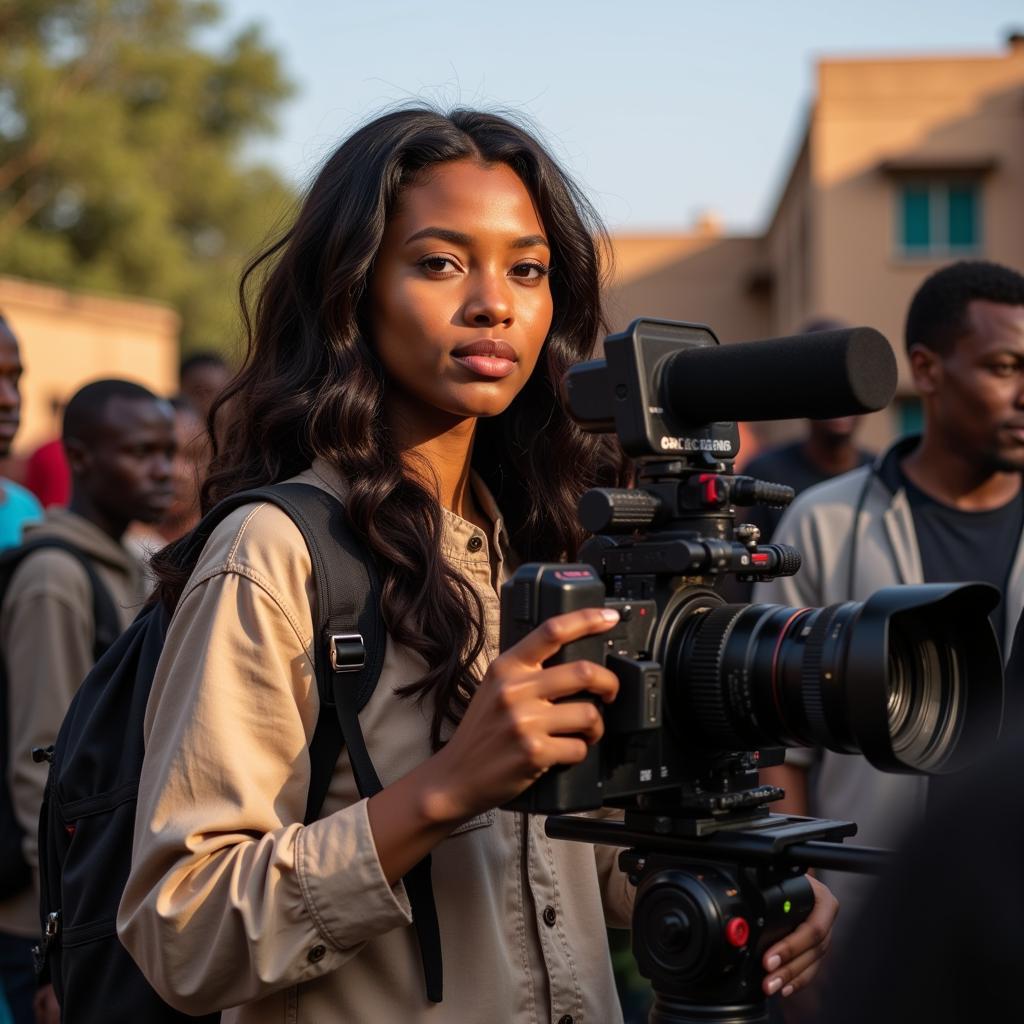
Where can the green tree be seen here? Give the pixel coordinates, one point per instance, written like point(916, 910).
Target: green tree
point(122, 141)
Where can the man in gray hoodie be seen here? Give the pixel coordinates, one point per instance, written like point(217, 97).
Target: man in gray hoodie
point(120, 444)
point(943, 507)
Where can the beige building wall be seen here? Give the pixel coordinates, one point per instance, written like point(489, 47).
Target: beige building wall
point(68, 339)
point(790, 247)
point(701, 277)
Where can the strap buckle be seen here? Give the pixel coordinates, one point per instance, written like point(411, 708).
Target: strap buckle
point(347, 652)
point(41, 950)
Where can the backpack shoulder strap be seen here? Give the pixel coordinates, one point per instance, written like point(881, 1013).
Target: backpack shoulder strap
point(350, 638)
point(350, 630)
point(105, 615)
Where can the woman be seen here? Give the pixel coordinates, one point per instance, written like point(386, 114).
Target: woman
point(404, 353)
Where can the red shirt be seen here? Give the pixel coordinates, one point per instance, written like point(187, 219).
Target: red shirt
point(47, 474)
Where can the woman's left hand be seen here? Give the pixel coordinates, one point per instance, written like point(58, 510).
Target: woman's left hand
point(791, 963)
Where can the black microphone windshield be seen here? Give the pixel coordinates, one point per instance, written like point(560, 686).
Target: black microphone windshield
point(829, 373)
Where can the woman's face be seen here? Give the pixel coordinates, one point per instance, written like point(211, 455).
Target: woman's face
point(461, 301)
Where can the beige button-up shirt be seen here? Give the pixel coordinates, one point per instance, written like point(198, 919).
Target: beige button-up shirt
point(233, 902)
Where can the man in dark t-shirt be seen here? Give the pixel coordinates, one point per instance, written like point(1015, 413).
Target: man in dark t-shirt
point(963, 481)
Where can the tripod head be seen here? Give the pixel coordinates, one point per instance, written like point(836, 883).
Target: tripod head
point(708, 907)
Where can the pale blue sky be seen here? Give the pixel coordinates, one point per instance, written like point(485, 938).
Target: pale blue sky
point(660, 109)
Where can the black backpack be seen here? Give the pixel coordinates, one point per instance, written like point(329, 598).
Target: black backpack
point(15, 873)
point(88, 816)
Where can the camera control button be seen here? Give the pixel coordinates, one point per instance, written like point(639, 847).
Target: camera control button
point(737, 932)
point(549, 916)
point(476, 542)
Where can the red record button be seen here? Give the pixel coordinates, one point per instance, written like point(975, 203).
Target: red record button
point(737, 931)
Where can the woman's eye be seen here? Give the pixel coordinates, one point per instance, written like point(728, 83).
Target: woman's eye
point(530, 271)
point(438, 264)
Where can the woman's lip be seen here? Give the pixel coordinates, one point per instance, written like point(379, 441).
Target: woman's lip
point(486, 347)
point(493, 367)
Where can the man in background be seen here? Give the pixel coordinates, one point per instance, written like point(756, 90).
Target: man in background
point(120, 444)
point(943, 507)
point(145, 539)
point(203, 376)
point(17, 506)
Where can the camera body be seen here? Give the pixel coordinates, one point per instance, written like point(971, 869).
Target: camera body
point(641, 752)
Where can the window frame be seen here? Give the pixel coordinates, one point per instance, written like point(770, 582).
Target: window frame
point(938, 188)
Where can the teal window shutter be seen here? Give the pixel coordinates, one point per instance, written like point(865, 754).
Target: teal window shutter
point(916, 228)
point(963, 226)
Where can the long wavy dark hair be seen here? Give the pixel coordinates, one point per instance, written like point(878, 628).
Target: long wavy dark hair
point(311, 385)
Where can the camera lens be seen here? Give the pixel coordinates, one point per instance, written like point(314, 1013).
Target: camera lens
point(911, 678)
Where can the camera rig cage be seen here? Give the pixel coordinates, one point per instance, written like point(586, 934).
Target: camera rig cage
point(719, 878)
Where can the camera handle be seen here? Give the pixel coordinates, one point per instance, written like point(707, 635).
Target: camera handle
point(707, 908)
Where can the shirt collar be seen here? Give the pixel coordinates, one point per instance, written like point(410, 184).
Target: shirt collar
point(458, 532)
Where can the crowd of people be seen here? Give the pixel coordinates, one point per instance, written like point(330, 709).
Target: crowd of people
point(120, 482)
point(403, 356)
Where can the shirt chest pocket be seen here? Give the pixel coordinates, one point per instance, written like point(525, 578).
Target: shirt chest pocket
point(480, 821)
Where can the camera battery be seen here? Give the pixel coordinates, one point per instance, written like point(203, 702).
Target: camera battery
point(637, 708)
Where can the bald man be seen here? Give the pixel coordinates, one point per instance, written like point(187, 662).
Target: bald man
point(120, 443)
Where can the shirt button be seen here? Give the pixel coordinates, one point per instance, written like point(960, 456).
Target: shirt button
point(475, 543)
point(549, 916)
point(567, 1019)
point(316, 954)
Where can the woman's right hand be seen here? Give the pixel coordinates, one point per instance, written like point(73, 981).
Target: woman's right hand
point(515, 728)
point(517, 725)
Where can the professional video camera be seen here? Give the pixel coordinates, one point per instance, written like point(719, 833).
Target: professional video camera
point(710, 691)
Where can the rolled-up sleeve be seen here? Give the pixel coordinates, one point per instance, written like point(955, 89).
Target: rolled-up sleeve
point(230, 896)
